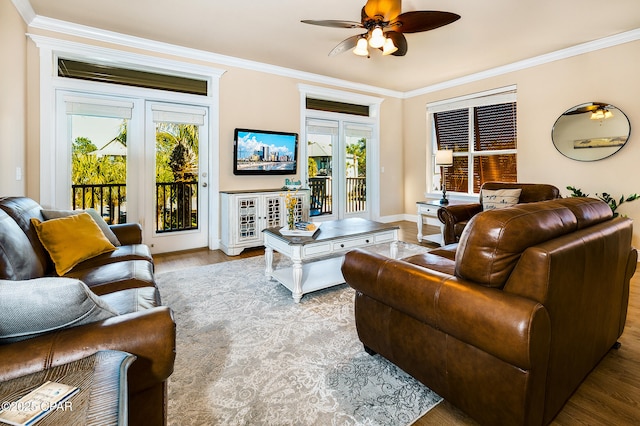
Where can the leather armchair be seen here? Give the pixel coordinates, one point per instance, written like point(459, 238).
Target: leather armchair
point(455, 217)
point(508, 328)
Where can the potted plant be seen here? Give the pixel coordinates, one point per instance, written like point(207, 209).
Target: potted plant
point(607, 198)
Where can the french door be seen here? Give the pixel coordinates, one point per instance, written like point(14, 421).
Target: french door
point(337, 168)
point(136, 160)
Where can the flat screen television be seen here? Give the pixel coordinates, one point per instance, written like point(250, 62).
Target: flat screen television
point(264, 152)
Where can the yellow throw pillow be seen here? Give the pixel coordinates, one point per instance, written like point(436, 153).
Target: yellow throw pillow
point(71, 240)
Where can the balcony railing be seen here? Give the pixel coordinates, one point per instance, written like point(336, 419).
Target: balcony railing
point(176, 203)
point(321, 197)
point(108, 199)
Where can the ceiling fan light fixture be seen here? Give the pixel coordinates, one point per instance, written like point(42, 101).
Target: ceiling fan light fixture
point(377, 39)
point(361, 47)
point(388, 47)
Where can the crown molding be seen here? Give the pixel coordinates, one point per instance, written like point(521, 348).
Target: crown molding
point(558, 55)
point(58, 26)
point(55, 25)
point(25, 10)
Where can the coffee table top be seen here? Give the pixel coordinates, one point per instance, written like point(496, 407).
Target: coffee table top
point(334, 229)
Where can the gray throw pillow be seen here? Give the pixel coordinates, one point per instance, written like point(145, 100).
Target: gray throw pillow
point(104, 226)
point(32, 307)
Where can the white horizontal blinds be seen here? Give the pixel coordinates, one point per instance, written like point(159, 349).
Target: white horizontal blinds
point(98, 107)
point(181, 115)
point(487, 98)
point(358, 131)
point(322, 127)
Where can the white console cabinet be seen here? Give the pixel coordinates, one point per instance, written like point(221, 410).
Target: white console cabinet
point(244, 214)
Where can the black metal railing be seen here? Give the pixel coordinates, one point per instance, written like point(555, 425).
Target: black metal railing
point(176, 203)
point(321, 195)
point(108, 199)
point(176, 206)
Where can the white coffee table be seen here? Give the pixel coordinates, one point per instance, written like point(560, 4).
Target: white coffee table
point(317, 260)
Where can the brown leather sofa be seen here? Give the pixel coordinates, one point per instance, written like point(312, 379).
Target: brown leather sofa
point(456, 216)
point(124, 279)
point(535, 295)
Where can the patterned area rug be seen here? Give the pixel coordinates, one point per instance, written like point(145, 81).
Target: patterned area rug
point(248, 355)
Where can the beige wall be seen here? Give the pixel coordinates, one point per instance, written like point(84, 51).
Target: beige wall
point(545, 92)
point(253, 100)
point(260, 100)
point(13, 121)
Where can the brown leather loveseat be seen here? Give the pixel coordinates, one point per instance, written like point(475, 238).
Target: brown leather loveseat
point(455, 217)
point(535, 295)
point(121, 299)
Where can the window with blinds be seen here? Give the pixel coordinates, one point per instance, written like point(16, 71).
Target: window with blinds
point(129, 77)
point(483, 137)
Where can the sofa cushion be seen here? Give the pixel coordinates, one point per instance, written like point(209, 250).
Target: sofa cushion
point(29, 308)
point(55, 214)
point(116, 276)
point(71, 240)
point(18, 259)
point(493, 241)
point(499, 198)
point(132, 300)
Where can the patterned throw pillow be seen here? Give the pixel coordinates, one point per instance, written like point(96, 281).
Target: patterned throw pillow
point(499, 198)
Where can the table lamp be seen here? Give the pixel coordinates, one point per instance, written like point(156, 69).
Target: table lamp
point(444, 159)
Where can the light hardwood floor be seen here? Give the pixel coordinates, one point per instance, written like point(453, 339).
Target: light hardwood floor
point(610, 395)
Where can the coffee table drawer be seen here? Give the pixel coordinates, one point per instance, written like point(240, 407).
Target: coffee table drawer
point(316, 249)
point(385, 237)
point(352, 243)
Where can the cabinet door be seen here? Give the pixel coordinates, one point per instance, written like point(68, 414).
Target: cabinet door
point(248, 223)
point(274, 211)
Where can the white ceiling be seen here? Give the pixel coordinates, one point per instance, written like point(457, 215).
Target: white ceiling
point(490, 33)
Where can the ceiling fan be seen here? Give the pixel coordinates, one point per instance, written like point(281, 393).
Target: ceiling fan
point(385, 27)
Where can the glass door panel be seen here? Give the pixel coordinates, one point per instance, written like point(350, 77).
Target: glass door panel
point(337, 168)
point(322, 137)
point(98, 134)
point(176, 140)
point(355, 156)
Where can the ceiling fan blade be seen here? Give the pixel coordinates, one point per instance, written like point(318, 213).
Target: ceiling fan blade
point(424, 20)
point(345, 45)
point(333, 23)
point(388, 9)
point(400, 41)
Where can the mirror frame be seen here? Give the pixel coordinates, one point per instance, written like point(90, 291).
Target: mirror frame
point(578, 137)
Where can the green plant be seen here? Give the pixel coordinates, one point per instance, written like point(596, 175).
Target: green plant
point(607, 198)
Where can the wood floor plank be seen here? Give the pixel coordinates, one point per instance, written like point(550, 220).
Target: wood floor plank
point(610, 395)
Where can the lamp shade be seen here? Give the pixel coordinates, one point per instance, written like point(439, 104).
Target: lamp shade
point(444, 157)
point(361, 47)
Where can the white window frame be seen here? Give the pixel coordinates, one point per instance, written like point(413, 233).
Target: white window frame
point(373, 149)
point(50, 48)
point(492, 97)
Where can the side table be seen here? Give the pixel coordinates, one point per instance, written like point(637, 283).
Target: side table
point(101, 400)
point(429, 208)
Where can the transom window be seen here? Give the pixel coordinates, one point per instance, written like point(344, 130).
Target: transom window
point(481, 132)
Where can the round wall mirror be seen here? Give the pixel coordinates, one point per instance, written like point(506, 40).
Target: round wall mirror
point(591, 131)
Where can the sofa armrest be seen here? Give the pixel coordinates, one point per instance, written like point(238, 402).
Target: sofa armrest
point(148, 334)
point(450, 215)
point(510, 327)
point(128, 233)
